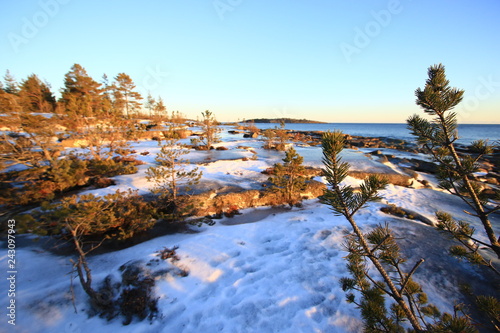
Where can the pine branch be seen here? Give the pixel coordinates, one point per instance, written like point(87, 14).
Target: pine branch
point(497, 208)
point(380, 244)
point(405, 282)
point(332, 146)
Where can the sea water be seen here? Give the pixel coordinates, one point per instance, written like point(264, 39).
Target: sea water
point(466, 132)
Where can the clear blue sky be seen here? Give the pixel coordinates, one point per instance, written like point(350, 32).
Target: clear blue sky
point(329, 60)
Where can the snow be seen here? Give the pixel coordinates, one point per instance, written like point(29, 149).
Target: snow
point(267, 270)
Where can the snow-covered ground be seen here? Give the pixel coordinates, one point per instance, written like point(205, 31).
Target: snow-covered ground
point(267, 270)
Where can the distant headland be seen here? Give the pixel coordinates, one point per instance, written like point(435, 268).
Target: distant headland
point(285, 120)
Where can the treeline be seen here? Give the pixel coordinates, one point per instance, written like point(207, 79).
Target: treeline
point(100, 117)
point(80, 96)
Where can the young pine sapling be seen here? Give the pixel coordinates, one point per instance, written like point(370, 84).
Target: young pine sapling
point(380, 248)
point(288, 178)
point(171, 175)
point(455, 171)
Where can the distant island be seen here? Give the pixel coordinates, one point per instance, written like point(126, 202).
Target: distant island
point(285, 120)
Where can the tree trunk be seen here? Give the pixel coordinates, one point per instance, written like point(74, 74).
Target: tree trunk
point(86, 277)
point(476, 203)
point(395, 294)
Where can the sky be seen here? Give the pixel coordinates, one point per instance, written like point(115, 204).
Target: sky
point(332, 61)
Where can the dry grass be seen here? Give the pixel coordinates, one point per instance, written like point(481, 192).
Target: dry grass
point(392, 178)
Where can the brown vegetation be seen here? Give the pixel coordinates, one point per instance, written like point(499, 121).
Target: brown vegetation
point(213, 203)
point(392, 178)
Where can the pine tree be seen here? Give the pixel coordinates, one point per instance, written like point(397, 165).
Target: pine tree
point(81, 95)
point(288, 178)
point(126, 99)
point(35, 96)
point(438, 138)
point(281, 136)
point(269, 135)
point(380, 248)
point(9, 104)
point(105, 136)
point(11, 86)
point(88, 221)
point(36, 146)
point(210, 129)
point(160, 108)
point(107, 101)
point(276, 137)
point(150, 104)
point(31, 140)
point(107, 131)
point(172, 176)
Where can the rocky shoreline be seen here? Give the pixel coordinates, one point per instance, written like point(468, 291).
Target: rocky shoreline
point(487, 175)
point(488, 172)
point(219, 202)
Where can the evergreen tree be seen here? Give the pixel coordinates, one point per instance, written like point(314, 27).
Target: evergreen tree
point(438, 137)
point(172, 175)
point(35, 146)
point(107, 131)
point(10, 108)
point(107, 101)
point(380, 248)
point(88, 221)
point(281, 135)
point(276, 137)
point(107, 136)
point(81, 95)
point(269, 134)
point(210, 129)
point(288, 178)
point(126, 99)
point(30, 140)
point(150, 104)
point(160, 108)
point(35, 96)
point(11, 86)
